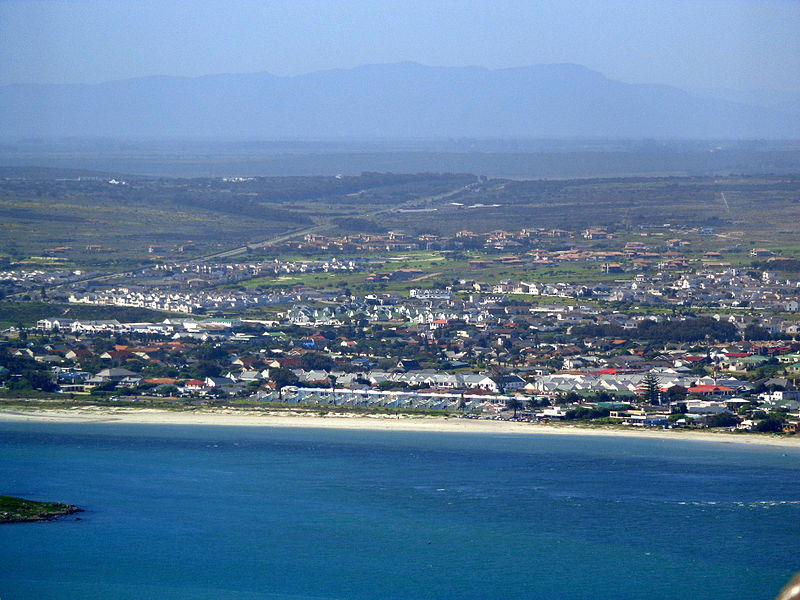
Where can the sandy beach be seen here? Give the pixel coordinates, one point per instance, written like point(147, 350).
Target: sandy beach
point(272, 418)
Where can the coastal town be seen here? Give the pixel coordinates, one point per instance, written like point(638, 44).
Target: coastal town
point(357, 300)
point(662, 337)
point(660, 302)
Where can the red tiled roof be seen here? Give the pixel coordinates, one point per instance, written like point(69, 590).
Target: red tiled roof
point(195, 383)
point(709, 388)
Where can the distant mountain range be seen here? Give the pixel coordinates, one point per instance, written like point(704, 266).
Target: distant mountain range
point(390, 101)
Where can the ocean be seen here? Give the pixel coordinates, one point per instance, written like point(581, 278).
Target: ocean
point(202, 512)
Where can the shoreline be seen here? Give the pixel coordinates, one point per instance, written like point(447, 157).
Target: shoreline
point(276, 418)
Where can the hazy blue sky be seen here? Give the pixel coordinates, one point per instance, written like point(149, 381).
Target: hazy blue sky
point(738, 44)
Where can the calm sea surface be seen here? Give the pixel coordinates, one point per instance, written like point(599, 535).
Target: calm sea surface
point(243, 513)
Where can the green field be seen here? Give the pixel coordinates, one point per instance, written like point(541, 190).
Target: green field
point(95, 224)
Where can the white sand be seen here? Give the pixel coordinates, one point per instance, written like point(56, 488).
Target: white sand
point(272, 418)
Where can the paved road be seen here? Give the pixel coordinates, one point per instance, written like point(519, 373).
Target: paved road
point(426, 202)
point(327, 224)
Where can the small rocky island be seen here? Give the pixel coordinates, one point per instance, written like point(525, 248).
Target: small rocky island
point(19, 510)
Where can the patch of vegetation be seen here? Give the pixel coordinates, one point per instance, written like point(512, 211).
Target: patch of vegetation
point(94, 222)
point(689, 330)
point(17, 510)
point(789, 265)
point(762, 206)
point(27, 314)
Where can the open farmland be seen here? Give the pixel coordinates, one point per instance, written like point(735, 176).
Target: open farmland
point(762, 207)
point(115, 221)
point(118, 222)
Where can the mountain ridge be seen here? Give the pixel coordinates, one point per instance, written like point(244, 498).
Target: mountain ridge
point(396, 100)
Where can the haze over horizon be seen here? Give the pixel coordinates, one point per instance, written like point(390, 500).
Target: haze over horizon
point(315, 69)
point(390, 101)
point(738, 45)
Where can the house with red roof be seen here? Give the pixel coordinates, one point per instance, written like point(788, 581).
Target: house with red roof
point(195, 385)
point(711, 390)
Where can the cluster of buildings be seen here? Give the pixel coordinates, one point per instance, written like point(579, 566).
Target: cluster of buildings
point(174, 301)
point(207, 274)
point(726, 287)
point(728, 292)
point(388, 351)
point(20, 281)
point(394, 241)
point(537, 245)
point(199, 287)
point(462, 344)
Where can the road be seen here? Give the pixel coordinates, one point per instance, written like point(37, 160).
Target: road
point(323, 225)
point(328, 223)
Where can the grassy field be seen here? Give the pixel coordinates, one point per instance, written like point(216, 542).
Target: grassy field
point(92, 222)
point(439, 270)
point(764, 209)
point(95, 224)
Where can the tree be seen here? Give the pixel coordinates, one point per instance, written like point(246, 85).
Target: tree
point(676, 394)
point(602, 396)
point(532, 403)
point(282, 377)
point(514, 404)
point(772, 424)
point(585, 413)
point(570, 397)
point(724, 419)
point(756, 332)
point(746, 409)
point(312, 361)
point(210, 353)
point(578, 413)
point(332, 379)
point(498, 374)
point(101, 389)
point(144, 387)
point(207, 368)
point(650, 388)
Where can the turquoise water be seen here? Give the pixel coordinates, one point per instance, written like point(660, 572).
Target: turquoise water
point(211, 512)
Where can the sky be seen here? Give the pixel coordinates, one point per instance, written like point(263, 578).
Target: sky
point(693, 44)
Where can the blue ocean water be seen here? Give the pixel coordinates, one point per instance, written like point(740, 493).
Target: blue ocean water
point(243, 513)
